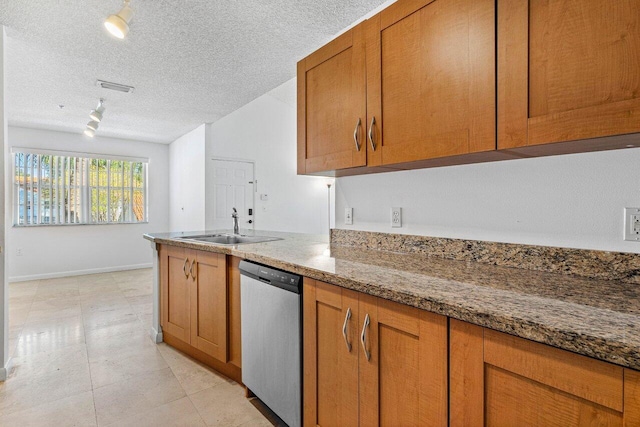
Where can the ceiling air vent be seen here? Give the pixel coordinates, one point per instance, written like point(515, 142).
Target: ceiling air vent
point(114, 86)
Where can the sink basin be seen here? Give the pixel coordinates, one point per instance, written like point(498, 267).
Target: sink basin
point(229, 239)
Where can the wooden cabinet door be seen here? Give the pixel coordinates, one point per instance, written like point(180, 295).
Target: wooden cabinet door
point(431, 80)
point(332, 105)
point(174, 278)
point(567, 70)
point(500, 380)
point(330, 367)
point(403, 365)
point(209, 304)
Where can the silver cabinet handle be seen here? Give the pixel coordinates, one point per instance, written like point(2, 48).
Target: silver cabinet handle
point(184, 267)
point(373, 144)
point(355, 134)
point(344, 329)
point(193, 276)
point(363, 337)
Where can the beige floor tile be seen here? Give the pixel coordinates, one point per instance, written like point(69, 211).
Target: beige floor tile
point(54, 308)
point(50, 335)
point(193, 376)
point(59, 358)
point(141, 304)
point(123, 345)
point(146, 320)
point(110, 331)
point(70, 411)
point(117, 367)
point(96, 303)
point(224, 405)
point(19, 394)
point(32, 366)
point(135, 396)
point(257, 422)
point(179, 413)
point(102, 319)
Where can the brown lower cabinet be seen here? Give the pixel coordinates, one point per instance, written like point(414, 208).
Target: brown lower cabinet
point(200, 306)
point(369, 361)
point(501, 380)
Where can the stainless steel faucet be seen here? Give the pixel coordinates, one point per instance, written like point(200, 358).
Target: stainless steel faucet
point(234, 215)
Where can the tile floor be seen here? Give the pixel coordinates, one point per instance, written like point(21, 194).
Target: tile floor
point(82, 356)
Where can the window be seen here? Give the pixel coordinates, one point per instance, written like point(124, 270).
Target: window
point(69, 188)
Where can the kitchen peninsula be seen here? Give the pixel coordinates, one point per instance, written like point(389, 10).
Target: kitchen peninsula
point(529, 323)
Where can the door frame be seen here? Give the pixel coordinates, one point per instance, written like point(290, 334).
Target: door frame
point(255, 181)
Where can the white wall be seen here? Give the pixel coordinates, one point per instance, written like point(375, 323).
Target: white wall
point(187, 181)
point(66, 250)
point(571, 200)
point(264, 131)
point(4, 283)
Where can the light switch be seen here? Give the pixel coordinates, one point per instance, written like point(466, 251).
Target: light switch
point(348, 216)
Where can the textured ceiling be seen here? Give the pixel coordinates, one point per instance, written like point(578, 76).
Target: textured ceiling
point(191, 62)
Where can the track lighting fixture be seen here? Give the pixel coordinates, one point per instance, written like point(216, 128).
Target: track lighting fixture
point(96, 114)
point(90, 132)
point(93, 125)
point(118, 24)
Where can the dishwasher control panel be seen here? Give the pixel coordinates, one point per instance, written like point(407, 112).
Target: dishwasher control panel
point(282, 279)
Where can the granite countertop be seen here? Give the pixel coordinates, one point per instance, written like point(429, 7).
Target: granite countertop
point(594, 317)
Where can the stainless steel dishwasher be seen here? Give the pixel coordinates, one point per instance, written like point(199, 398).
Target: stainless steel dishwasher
point(271, 314)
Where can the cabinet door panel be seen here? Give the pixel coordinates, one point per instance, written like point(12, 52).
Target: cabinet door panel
point(331, 101)
point(582, 62)
point(330, 369)
point(209, 305)
point(513, 400)
point(436, 79)
point(176, 307)
point(404, 382)
point(501, 380)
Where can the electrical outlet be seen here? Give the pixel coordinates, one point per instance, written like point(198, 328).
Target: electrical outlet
point(18, 251)
point(396, 217)
point(348, 216)
point(632, 224)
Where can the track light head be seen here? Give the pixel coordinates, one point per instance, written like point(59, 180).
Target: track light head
point(90, 132)
point(96, 115)
point(118, 24)
point(93, 125)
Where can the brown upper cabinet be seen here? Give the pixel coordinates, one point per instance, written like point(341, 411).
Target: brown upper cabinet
point(427, 90)
point(567, 70)
point(430, 80)
point(436, 82)
point(332, 105)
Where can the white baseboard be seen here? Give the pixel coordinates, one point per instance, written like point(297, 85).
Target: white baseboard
point(4, 371)
point(77, 272)
point(156, 336)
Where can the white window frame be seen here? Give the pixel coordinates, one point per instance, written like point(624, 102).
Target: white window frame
point(83, 189)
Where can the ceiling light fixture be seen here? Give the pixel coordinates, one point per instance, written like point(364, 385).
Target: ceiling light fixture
point(96, 114)
point(118, 24)
point(91, 129)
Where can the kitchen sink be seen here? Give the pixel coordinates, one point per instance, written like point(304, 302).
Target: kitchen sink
point(229, 239)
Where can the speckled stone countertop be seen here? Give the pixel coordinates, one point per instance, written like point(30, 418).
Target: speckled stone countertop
point(594, 317)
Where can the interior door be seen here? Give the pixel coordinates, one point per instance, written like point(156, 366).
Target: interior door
point(233, 185)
